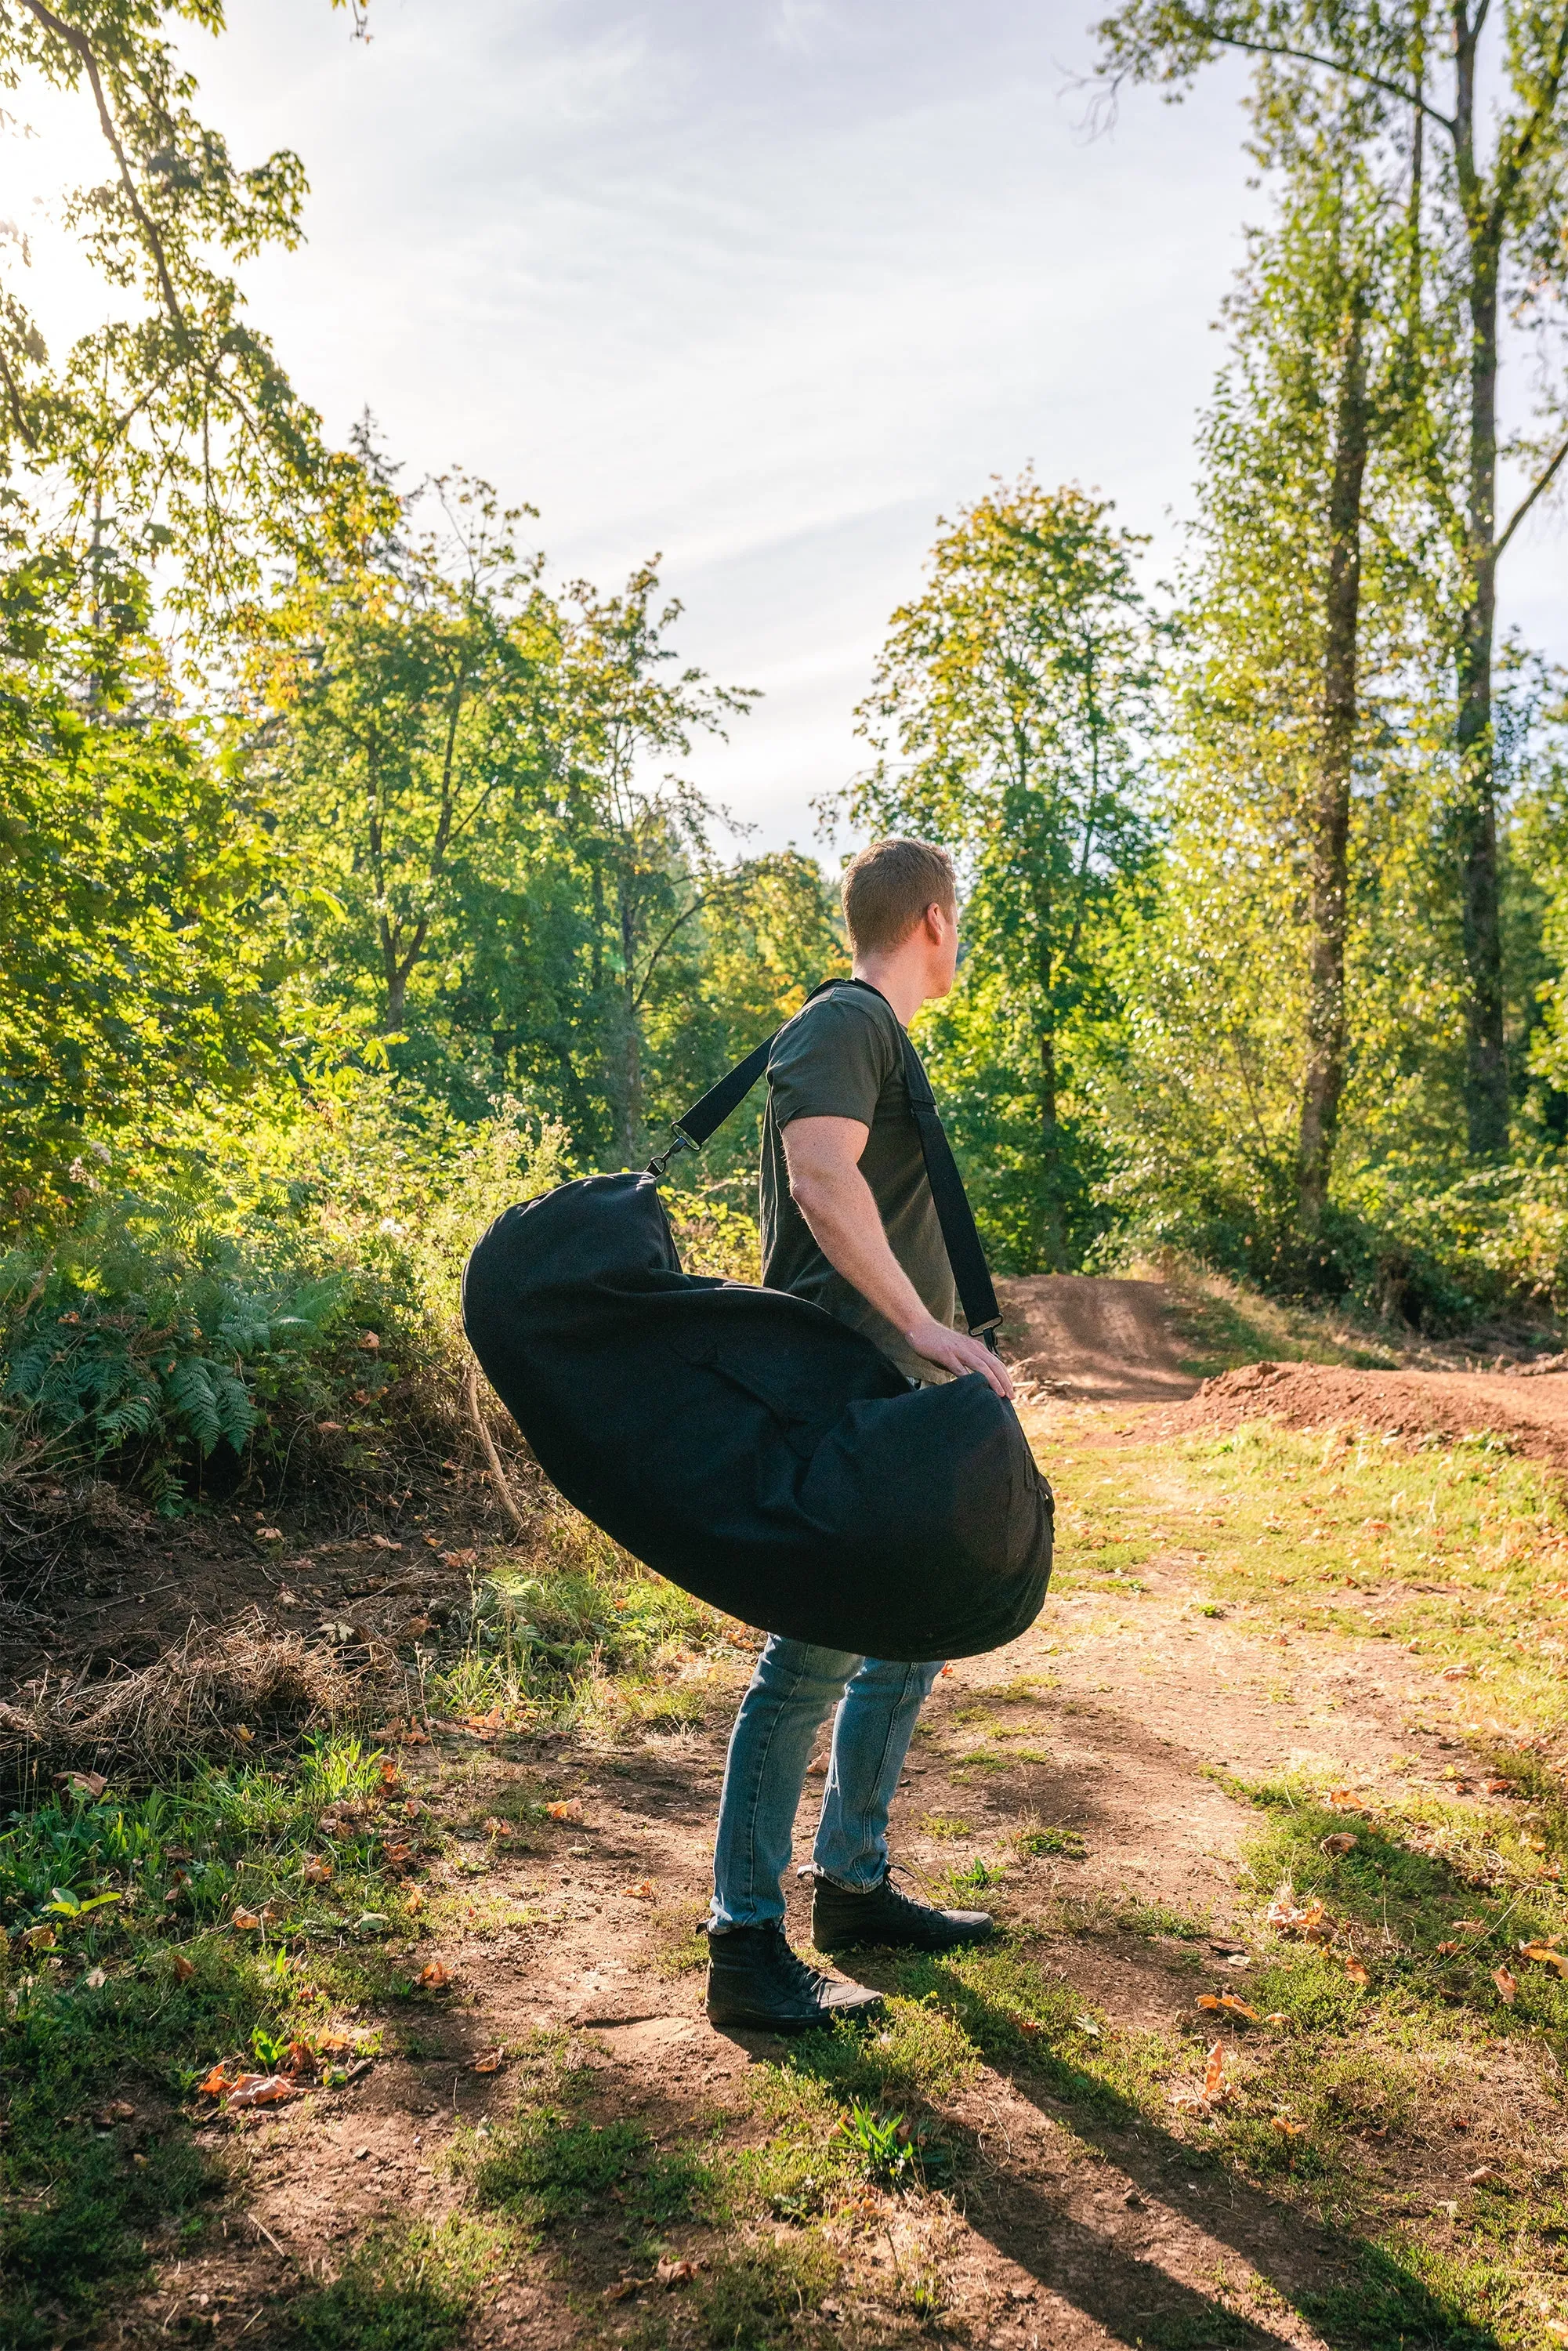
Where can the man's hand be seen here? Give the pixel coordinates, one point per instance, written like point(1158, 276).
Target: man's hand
point(957, 1353)
point(827, 1186)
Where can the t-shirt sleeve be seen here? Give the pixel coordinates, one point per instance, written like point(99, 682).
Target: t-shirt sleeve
point(832, 1060)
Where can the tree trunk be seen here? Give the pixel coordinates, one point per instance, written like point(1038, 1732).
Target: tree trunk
point(1329, 810)
point(1485, 1064)
point(1053, 1238)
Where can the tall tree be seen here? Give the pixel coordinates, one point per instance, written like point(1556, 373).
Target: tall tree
point(1495, 208)
point(398, 699)
point(646, 832)
point(1008, 711)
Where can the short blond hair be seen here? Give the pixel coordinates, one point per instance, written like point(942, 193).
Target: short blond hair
point(889, 885)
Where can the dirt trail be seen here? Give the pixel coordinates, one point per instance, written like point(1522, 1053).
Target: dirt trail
point(1095, 1339)
point(1106, 1722)
point(1531, 1409)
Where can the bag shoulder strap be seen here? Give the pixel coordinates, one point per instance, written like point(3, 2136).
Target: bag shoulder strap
point(965, 1255)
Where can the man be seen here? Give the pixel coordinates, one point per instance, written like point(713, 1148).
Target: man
point(848, 1221)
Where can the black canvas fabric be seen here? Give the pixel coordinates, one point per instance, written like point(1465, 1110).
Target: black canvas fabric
point(748, 1445)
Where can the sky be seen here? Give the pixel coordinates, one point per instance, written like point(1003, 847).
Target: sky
point(761, 287)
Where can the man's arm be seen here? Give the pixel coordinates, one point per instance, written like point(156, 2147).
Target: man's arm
point(827, 1186)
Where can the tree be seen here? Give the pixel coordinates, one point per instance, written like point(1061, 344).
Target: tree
point(1008, 710)
point(646, 840)
point(133, 871)
point(1495, 234)
point(172, 426)
point(394, 693)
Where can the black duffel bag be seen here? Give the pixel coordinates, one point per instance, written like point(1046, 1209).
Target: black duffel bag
point(746, 1444)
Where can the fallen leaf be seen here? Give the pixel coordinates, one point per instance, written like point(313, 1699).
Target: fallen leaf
point(644, 1891)
point(398, 1857)
point(1027, 2024)
point(623, 2291)
point(1288, 2129)
point(271, 2091)
point(1487, 2176)
point(40, 1938)
point(414, 1901)
point(1446, 1950)
point(1458, 1673)
point(246, 1922)
point(301, 2059)
point(1341, 1842)
point(570, 1810)
point(95, 1979)
point(1507, 1985)
point(82, 1783)
point(391, 1775)
point(459, 1557)
point(217, 2082)
point(1234, 2007)
point(490, 2063)
point(416, 1736)
point(384, 1543)
point(1275, 2016)
point(497, 1828)
point(1472, 1925)
point(184, 1968)
point(316, 1871)
point(1345, 1800)
point(1355, 1972)
point(270, 1534)
point(1214, 2072)
point(1208, 1999)
point(1498, 1787)
point(672, 2273)
point(433, 1976)
point(370, 1342)
point(119, 2110)
point(1548, 1958)
point(333, 2044)
point(1087, 2024)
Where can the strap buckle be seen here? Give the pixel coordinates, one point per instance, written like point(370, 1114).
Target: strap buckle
point(680, 1143)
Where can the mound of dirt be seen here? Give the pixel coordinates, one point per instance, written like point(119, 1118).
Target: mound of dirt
point(1104, 1340)
point(1533, 1413)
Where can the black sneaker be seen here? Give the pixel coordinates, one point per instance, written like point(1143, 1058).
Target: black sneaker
point(841, 1920)
point(755, 1979)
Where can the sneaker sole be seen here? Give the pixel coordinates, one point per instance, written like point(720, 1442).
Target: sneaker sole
point(754, 2023)
point(894, 1943)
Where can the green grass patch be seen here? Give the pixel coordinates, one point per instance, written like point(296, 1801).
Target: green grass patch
point(125, 1982)
point(410, 2290)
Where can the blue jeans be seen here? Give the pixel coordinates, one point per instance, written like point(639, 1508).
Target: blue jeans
point(792, 1693)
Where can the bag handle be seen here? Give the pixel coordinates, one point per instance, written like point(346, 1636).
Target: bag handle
point(965, 1255)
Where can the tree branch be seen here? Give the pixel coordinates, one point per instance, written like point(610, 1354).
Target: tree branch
point(78, 41)
point(14, 395)
point(1309, 57)
point(1542, 482)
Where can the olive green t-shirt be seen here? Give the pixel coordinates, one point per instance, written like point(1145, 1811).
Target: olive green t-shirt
point(842, 1057)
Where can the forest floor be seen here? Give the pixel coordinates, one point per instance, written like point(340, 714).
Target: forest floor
point(1268, 2053)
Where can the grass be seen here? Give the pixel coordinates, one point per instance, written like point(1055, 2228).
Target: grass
point(126, 1981)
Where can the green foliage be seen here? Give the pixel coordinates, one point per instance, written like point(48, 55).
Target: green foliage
point(1007, 712)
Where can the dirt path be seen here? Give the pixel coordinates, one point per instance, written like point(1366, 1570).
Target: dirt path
point(1096, 1339)
point(1107, 1723)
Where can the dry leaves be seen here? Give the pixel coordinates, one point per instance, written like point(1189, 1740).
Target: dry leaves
point(672, 2273)
point(490, 2063)
point(1345, 1800)
point(316, 1871)
point(644, 1891)
point(82, 1783)
point(1546, 1956)
point(1507, 1985)
point(1288, 2129)
point(1341, 1842)
point(568, 1810)
point(184, 1968)
point(1230, 2003)
point(433, 1977)
point(271, 2090)
point(246, 1922)
point(1354, 1970)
